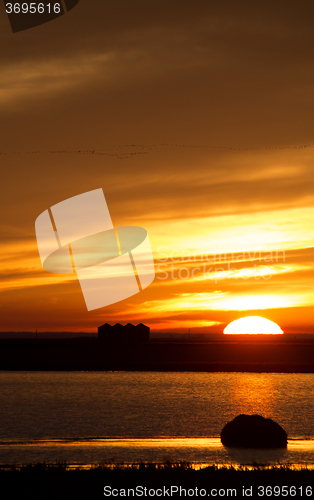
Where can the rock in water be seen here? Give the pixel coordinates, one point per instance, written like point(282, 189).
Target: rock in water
point(253, 431)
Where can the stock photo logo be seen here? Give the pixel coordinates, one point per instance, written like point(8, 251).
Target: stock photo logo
point(26, 15)
point(77, 236)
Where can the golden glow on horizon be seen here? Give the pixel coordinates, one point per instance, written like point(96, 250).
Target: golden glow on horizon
point(256, 302)
point(275, 230)
point(199, 270)
point(253, 325)
point(222, 301)
point(236, 287)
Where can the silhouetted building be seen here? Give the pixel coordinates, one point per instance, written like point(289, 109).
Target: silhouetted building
point(143, 332)
point(121, 335)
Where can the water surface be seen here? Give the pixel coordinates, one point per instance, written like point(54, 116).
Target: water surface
point(87, 417)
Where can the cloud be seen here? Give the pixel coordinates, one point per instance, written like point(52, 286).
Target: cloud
point(38, 79)
point(181, 101)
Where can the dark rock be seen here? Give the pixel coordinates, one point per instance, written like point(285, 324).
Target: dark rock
point(253, 431)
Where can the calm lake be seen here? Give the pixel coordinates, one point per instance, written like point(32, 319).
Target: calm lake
point(92, 417)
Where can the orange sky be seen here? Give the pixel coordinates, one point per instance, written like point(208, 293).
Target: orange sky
point(196, 119)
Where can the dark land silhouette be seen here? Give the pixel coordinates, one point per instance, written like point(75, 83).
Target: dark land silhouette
point(131, 348)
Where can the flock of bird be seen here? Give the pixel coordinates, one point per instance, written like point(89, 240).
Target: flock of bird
point(144, 149)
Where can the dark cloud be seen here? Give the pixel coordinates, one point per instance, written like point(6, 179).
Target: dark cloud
point(166, 69)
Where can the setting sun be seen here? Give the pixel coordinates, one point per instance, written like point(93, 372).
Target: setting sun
point(253, 325)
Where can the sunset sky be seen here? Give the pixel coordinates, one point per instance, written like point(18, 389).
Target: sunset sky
point(196, 120)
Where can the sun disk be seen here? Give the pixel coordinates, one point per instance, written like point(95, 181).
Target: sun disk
point(253, 325)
